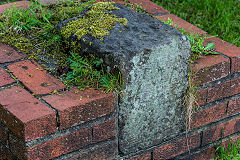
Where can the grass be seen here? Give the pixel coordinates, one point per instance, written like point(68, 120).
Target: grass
point(33, 31)
point(217, 17)
point(231, 151)
point(197, 43)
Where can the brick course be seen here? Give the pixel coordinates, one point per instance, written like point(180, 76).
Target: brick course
point(223, 90)
point(150, 7)
point(176, 148)
point(8, 54)
point(229, 50)
point(210, 68)
point(209, 115)
point(60, 145)
point(233, 106)
point(106, 151)
point(34, 77)
point(104, 130)
point(143, 156)
point(181, 23)
point(24, 115)
point(3, 135)
point(76, 107)
point(5, 154)
point(227, 128)
point(5, 78)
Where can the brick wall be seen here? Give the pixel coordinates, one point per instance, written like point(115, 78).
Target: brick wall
point(35, 124)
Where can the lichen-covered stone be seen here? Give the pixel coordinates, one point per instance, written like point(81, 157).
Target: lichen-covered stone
point(153, 59)
point(96, 21)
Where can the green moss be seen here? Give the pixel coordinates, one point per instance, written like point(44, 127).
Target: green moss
point(18, 41)
point(97, 22)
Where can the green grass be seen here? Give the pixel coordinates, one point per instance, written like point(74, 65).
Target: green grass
point(7, 1)
point(229, 152)
point(33, 31)
point(217, 17)
point(197, 43)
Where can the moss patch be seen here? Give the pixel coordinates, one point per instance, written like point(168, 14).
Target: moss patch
point(97, 22)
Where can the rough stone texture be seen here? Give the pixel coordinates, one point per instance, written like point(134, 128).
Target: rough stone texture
point(152, 58)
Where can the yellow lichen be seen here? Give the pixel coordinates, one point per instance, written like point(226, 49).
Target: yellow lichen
point(97, 22)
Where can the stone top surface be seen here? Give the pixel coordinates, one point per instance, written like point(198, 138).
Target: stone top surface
point(125, 41)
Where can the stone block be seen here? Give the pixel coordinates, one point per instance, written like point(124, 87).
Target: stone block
point(153, 60)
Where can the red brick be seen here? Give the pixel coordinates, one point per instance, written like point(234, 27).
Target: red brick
point(219, 91)
point(8, 54)
point(201, 96)
point(5, 154)
point(24, 115)
point(235, 86)
point(214, 133)
point(143, 156)
point(60, 145)
point(206, 116)
point(205, 154)
point(229, 50)
point(32, 75)
point(210, 68)
point(176, 148)
point(22, 4)
point(101, 152)
point(233, 106)
point(181, 23)
point(5, 78)
point(17, 147)
point(223, 90)
point(150, 7)
point(76, 107)
point(3, 135)
point(225, 143)
point(104, 130)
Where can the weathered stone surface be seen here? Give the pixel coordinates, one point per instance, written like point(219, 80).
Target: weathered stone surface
point(152, 58)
